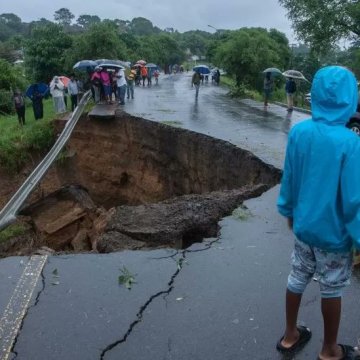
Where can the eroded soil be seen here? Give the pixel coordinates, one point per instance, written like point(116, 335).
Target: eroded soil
point(131, 183)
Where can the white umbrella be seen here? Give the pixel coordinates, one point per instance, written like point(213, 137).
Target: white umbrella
point(273, 71)
point(294, 74)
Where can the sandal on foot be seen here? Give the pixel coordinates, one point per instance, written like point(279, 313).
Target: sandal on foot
point(304, 337)
point(348, 353)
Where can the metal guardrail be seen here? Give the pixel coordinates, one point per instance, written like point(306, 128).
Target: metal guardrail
point(8, 213)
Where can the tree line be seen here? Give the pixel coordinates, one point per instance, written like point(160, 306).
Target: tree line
point(53, 47)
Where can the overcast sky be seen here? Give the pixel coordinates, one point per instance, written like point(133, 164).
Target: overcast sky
point(182, 15)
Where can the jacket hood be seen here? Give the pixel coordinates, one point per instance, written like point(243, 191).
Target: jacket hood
point(334, 95)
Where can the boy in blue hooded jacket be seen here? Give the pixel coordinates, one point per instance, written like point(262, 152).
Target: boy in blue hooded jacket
point(317, 197)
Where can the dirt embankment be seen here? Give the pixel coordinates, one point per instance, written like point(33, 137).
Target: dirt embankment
point(131, 163)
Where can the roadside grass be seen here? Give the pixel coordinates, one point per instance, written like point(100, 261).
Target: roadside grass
point(12, 231)
point(18, 143)
point(227, 81)
point(277, 95)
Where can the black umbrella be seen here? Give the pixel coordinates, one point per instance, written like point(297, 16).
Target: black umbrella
point(85, 64)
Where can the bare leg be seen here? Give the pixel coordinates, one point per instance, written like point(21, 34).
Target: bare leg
point(331, 311)
point(291, 335)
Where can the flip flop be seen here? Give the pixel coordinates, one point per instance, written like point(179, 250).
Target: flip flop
point(348, 353)
point(305, 336)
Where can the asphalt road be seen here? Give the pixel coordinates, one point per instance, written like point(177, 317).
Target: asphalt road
point(218, 300)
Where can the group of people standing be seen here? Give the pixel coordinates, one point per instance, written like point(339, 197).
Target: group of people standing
point(199, 78)
point(37, 104)
point(290, 90)
point(59, 92)
point(106, 82)
point(144, 74)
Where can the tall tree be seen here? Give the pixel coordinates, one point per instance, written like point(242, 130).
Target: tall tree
point(45, 52)
point(64, 16)
point(246, 53)
point(141, 26)
point(101, 41)
point(10, 25)
point(86, 21)
point(322, 23)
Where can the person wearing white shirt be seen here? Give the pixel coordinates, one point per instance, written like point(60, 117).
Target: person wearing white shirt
point(57, 92)
point(73, 91)
point(121, 85)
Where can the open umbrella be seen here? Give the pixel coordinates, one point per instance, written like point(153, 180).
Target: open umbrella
point(101, 62)
point(202, 69)
point(141, 62)
point(294, 74)
point(111, 66)
point(42, 88)
point(65, 80)
point(151, 66)
point(85, 65)
point(273, 71)
point(137, 65)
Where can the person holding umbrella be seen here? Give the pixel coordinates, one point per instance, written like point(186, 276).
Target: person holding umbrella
point(121, 85)
point(73, 91)
point(195, 81)
point(37, 103)
point(144, 74)
point(290, 89)
point(36, 92)
point(268, 87)
point(57, 92)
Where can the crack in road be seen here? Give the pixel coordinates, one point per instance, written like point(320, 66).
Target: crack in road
point(27, 311)
point(139, 315)
point(165, 293)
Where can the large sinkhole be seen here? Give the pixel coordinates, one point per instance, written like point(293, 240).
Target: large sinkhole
point(131, 183)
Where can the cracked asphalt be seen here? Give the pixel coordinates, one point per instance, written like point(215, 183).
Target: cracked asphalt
point(220, 299)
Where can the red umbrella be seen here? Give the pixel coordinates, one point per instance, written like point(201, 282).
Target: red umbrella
point(65, 80)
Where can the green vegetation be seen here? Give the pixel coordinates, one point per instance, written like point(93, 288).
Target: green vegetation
point(322, 23)
point(51, 48)
point(242, 213)
point(18, 144)
point(11, 232)
point(126, 278)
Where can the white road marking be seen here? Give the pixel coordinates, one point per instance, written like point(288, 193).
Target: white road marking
point(15, 311)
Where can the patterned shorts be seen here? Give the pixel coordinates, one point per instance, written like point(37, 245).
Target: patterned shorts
point(332, 270)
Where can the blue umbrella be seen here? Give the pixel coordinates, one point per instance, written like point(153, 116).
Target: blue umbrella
point(202, 69)
point(42, 88)
point(85, 64)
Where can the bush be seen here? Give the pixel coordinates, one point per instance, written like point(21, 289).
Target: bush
point(18, 144)
point(6, 103)
point(12, 231)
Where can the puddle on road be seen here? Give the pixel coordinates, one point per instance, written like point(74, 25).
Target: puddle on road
point(132, 183)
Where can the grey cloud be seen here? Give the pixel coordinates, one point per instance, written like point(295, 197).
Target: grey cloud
point(182, 15)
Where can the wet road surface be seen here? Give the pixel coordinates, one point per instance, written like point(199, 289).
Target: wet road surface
point(222, 299)
point(243, 123)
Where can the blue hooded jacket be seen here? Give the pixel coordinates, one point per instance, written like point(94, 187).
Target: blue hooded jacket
point(320, 187)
